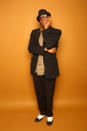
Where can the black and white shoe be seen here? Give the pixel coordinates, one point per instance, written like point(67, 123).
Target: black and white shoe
point(49, 121)
point(39, 118)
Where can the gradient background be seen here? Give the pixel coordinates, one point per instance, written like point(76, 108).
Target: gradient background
point(17, 19)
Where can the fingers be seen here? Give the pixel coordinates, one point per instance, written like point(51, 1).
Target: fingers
point(51, 51)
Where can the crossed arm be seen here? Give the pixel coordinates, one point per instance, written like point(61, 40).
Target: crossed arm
point(38, 49)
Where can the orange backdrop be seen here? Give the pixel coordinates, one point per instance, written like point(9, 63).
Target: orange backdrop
point(17, 19)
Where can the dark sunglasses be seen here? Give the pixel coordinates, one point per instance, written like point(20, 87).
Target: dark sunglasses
point(44, 16)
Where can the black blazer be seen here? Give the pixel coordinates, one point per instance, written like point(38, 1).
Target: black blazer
point(51, 37)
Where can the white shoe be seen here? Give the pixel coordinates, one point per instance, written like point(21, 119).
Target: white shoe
point(50, 118)
point(40, 116)
point(49, 121)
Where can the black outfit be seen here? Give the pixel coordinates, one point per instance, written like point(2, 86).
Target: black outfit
point(51, 38)
point(45, 84)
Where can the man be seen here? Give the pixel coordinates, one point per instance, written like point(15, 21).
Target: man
point(43, 45)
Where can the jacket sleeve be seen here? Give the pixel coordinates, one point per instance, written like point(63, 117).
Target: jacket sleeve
point(58, 37)
point(33, 47)
point(52, 38)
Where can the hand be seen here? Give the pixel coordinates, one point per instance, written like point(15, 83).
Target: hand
point(48, 22)
point(52, 50)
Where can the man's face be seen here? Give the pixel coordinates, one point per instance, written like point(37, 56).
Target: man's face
point(44, 19)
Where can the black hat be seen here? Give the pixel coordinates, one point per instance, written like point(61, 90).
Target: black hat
point(41, 12)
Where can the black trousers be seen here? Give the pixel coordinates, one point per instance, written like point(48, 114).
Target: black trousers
point(44, 89)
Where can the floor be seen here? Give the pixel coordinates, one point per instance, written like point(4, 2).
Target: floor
point(65, 119)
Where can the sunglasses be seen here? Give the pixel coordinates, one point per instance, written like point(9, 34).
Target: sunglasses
point(44, 16)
